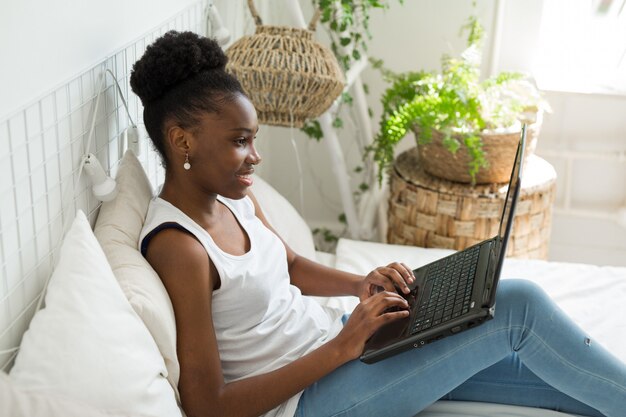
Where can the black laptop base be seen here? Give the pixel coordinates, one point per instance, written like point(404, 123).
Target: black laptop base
point(431, 317)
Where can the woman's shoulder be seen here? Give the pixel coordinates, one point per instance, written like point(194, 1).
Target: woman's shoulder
point(159, 212)
point(163, 215)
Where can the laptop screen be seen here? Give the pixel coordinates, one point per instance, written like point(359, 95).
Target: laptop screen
point(511, 194)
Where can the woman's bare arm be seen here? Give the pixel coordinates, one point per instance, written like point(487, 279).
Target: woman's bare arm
point(188, 275)
point(316, 279)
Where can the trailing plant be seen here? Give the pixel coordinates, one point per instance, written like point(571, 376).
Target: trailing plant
point(454, 102)
point(348, 24)
point(326, 239)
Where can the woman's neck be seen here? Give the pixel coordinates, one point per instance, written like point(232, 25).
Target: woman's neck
point(201, 207)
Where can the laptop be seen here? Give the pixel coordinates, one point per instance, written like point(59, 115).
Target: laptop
point(454, 293)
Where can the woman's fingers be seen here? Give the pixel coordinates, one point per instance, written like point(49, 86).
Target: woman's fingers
point(386, 302)
point(386, 307)
point(407, 273)
point(376, 311)
point(379, 281)
point(369, 316)
point(395, 275)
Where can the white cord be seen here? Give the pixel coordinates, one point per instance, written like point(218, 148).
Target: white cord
point(119, 89)
point(93, 125)
point(95, 112)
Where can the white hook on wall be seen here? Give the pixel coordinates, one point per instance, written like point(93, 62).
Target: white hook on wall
point(217, 29)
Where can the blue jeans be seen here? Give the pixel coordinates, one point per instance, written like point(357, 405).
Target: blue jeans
point(531, 347)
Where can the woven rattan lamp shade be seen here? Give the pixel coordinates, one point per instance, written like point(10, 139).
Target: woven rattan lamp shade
point(288, 76)
point(432, 212)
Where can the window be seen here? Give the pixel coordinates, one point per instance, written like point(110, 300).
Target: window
point(582, 46)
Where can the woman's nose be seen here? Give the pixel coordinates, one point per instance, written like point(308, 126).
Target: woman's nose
point(254, 157)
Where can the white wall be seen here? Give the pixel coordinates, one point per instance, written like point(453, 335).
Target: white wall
point(44, 43)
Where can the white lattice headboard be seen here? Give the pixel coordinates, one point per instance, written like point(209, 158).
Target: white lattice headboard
point(41, 148)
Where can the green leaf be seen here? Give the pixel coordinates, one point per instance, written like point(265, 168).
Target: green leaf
point(313, 130)
point(346, 97)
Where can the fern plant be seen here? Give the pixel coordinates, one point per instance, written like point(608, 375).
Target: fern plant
point(454, 102)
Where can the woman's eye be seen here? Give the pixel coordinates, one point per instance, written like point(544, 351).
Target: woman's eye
point(242, 141)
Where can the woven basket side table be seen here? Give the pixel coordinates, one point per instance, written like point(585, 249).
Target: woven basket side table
point(432, 212)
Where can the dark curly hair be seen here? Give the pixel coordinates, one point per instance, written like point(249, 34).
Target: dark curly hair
point(179, 76)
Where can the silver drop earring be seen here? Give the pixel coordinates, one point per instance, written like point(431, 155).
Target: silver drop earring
point(187, 165)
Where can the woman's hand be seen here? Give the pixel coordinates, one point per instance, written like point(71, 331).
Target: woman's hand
point(393, 278)
point(368, 316)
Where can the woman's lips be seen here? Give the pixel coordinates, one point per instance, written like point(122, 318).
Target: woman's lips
point(245, 179)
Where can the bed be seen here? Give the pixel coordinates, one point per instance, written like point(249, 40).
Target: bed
point(105, 342)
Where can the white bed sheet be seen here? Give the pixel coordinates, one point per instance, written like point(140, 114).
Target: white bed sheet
point(592, 295)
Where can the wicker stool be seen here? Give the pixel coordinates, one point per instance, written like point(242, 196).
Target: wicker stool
point(432, 212)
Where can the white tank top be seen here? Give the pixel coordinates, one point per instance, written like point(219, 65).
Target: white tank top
point(261, 321)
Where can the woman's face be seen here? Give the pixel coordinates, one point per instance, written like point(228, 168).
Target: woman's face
point(223, 154)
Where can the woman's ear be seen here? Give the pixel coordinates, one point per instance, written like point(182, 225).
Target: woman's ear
point(178, 140)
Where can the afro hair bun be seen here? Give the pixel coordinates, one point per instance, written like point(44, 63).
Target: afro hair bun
point(171, 59)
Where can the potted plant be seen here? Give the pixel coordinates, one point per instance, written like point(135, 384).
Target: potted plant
point(461, 123)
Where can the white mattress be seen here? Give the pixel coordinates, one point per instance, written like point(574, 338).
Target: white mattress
point(593, 296)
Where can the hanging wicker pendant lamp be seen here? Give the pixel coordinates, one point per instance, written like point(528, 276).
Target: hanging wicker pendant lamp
point(288, 76)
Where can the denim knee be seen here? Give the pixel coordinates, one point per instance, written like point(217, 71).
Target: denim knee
point(520, 303)
point(516, 291)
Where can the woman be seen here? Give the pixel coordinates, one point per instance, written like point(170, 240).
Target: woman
point(250, 344)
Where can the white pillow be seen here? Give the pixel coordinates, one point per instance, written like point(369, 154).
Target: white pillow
point(15, 402)
point(361, 257)
point(87, 343)
point(284, 218)
point(117, 229)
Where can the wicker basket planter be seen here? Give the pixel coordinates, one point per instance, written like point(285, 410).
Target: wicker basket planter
point(431, 212)
point(288, 76)
point(499, 151)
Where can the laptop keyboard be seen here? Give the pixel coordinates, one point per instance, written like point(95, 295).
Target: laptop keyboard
point(447, 291)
